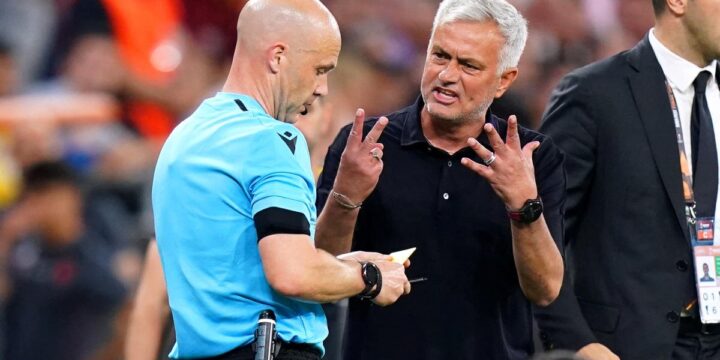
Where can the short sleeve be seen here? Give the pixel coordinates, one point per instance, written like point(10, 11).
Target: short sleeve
point(279, 173)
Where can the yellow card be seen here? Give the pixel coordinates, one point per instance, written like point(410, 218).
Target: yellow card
point(402, 255)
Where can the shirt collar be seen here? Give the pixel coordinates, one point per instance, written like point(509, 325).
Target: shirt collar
point(412, 129)
point(678, 71)
point(249, 102)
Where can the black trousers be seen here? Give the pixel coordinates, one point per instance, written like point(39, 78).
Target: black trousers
point(288, 351)
point(697, 342)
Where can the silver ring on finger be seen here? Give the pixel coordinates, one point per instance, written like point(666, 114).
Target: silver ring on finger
point(375, 154)
point(489, 161)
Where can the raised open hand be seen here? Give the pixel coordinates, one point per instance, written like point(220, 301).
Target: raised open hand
point(361, 162)
point(509, 169)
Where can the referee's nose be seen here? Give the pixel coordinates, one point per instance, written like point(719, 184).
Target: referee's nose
point(322, 86)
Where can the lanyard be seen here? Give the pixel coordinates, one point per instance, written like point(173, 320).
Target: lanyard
point(688, 193)
point(698, 229)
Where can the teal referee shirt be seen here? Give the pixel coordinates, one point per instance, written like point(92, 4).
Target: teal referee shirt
point(220, 168)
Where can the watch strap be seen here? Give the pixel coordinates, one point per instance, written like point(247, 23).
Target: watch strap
point(515, 215)
point(526, 213)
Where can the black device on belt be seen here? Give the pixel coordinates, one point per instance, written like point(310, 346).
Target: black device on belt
point(265, 346)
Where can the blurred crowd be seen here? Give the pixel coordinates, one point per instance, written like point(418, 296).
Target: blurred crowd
point(89, 89)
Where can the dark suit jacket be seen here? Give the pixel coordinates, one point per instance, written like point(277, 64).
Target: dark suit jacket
point(629, 260)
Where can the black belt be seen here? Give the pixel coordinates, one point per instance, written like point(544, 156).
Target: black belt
point(691, 324)
point(288, 351)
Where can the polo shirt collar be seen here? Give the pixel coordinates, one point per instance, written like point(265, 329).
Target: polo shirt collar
point(412, 132)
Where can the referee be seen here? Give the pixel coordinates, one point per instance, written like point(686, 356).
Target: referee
point(233, 197)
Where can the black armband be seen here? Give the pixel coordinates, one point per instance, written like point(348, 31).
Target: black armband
point(276, 220)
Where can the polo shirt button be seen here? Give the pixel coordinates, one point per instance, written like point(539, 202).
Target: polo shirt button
point(449, 163)
point(446, 196)
point(672, 317)
point(681, 265)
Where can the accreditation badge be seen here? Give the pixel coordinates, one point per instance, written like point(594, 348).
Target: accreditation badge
point(704, 229)
point(707, 267)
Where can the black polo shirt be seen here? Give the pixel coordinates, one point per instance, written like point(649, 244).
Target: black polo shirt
point(472, 306)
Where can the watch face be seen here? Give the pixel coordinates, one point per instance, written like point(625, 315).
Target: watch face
point(533, 211)
point(370, 274)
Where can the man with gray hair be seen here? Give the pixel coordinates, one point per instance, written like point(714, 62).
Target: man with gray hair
point(485, 232)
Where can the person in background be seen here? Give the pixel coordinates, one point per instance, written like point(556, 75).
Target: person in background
point(629, 291)
point(9, 77)
point(60, 292)
point(150, 325)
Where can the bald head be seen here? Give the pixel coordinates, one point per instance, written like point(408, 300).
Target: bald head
point(284, 51)
point(296, 22)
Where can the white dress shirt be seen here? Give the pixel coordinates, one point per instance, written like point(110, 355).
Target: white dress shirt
point(680, 74)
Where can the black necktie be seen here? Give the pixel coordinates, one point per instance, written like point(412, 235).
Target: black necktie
point(704, 150)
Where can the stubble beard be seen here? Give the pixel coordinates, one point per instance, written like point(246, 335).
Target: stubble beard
point(460, 119)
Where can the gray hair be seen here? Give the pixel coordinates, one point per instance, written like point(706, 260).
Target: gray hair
point(513, 26)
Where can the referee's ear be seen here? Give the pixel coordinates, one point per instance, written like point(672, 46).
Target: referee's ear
point(276, 56)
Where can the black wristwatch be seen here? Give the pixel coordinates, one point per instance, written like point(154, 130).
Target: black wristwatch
point(529, 212)
point(373, 281)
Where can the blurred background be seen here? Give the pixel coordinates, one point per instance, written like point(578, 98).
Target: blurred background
point(89, 89)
